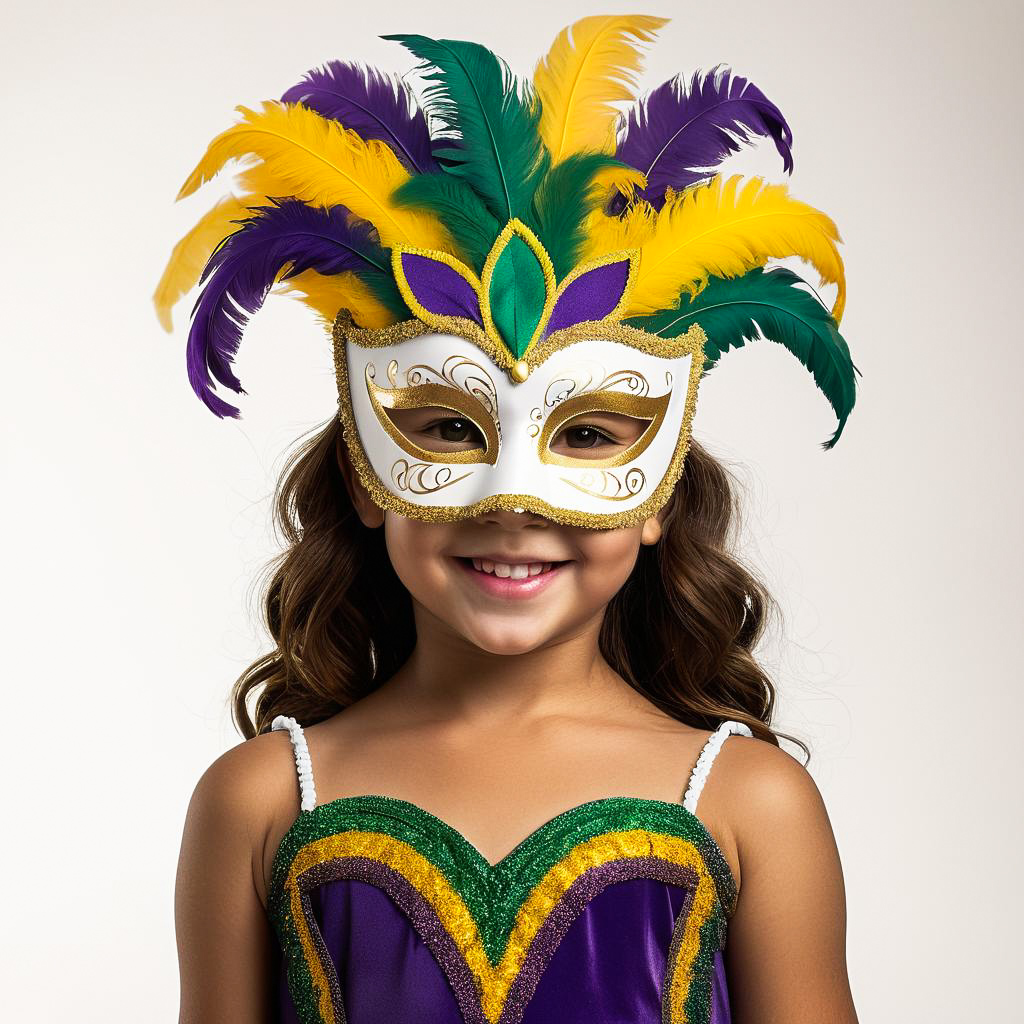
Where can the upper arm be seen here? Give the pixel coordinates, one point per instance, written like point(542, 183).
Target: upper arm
point(786, 949)
point(223, 933)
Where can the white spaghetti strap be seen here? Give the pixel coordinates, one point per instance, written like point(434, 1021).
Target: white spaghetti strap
point(702, 768)
point(307, 791)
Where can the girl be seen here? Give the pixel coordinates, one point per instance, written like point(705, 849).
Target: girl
point(510, 640)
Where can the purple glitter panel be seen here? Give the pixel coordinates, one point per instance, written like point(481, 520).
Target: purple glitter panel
point(440, 289)
point(591, 296)
point(601, 956)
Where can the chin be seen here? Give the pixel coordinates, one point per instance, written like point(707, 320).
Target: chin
point(506, 639)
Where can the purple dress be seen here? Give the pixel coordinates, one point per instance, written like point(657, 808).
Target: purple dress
point(613, 912)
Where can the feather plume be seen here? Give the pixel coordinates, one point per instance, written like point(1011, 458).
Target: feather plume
point(566, 197)
point(477, 101)
point(471, 224)
point(677, 135)
point(327, 295)
point(189, 256)
point(731, 311)
point(282, 240)
point(717, 229)
point(315, 159)
point(579, 80)
point(372, 104)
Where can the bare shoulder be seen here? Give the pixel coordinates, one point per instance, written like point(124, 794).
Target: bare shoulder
point(765, 804)
point(247, 797)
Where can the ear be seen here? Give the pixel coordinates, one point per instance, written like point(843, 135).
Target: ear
point(652, 529)
point(650, 532)
point(370, 513)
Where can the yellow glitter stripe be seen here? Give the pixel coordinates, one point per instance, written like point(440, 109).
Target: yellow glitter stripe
point(495, 982)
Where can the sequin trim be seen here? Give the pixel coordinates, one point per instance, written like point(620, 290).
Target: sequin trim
point(493, 928)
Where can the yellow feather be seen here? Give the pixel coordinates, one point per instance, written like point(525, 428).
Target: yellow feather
point(717, 229)
point(317, 160)
point(327, 294)
point(579, 80)
point(189, 256)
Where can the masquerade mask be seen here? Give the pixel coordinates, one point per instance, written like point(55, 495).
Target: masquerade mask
point(524, 301)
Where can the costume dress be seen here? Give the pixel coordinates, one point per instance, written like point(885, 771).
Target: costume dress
point(612, 912)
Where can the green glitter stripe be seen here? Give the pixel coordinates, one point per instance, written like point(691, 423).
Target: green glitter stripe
point(494, 894)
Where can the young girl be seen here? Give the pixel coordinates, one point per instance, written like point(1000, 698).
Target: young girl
point(510, 641)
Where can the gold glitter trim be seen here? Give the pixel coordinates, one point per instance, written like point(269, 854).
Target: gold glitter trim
point(692, 343)
point(422, 396)
point(494, 982)
point(638, 407)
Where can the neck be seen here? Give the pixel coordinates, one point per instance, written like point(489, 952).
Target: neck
point(447, 675)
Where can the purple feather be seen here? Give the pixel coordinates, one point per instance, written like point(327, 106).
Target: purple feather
point(677, 136)
point(373, 105)
point(244, 267)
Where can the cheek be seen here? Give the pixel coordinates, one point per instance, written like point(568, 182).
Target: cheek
point(413, 548)
point(608, 559)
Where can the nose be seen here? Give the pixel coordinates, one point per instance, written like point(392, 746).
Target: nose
point(509, 520)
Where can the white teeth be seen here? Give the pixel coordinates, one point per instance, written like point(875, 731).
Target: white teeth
point(508, 570)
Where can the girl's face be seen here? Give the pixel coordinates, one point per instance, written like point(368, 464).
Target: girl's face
point(510, 582)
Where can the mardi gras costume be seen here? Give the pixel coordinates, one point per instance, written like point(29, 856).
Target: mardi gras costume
point(521, 255)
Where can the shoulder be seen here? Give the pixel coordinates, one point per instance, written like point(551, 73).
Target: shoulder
point(244, 799)
point(766, 803)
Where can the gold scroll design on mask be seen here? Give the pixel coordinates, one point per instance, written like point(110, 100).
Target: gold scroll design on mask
point(467, 390)
point(422, 477)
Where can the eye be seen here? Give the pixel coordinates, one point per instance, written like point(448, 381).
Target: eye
point(435, 429)
point(598, 435)
point(582, 437)
point(456, 431)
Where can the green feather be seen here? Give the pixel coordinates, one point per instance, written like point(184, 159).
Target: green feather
point(516, 295)
point(565, 196)
point(461, 210)
point(730, 311)
point(382, 284)
point(477, 101)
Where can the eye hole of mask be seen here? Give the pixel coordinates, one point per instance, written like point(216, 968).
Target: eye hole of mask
point(601, 429)
point(436, 423)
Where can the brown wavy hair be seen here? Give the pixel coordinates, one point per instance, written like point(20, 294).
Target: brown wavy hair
point(681, 631)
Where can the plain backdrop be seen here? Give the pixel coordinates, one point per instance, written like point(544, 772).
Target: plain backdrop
point(135, 523)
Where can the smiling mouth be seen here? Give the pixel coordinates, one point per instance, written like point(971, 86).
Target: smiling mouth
point(510, 579)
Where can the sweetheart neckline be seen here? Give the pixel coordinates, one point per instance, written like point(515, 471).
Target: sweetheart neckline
point(532, 838)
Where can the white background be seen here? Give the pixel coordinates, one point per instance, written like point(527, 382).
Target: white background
point(135, 523)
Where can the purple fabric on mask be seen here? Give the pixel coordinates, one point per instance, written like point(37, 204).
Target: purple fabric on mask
point(591, 296)
point(608, 968)
point(440, 289)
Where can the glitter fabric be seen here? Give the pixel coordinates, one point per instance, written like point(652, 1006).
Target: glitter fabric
point(494, 928)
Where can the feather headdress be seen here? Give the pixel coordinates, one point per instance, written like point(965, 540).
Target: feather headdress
point(521, 186)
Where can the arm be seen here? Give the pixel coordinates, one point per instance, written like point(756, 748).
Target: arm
point(786, 949)
point(224, 937)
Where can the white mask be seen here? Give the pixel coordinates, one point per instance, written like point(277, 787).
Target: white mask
point(586, 368)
